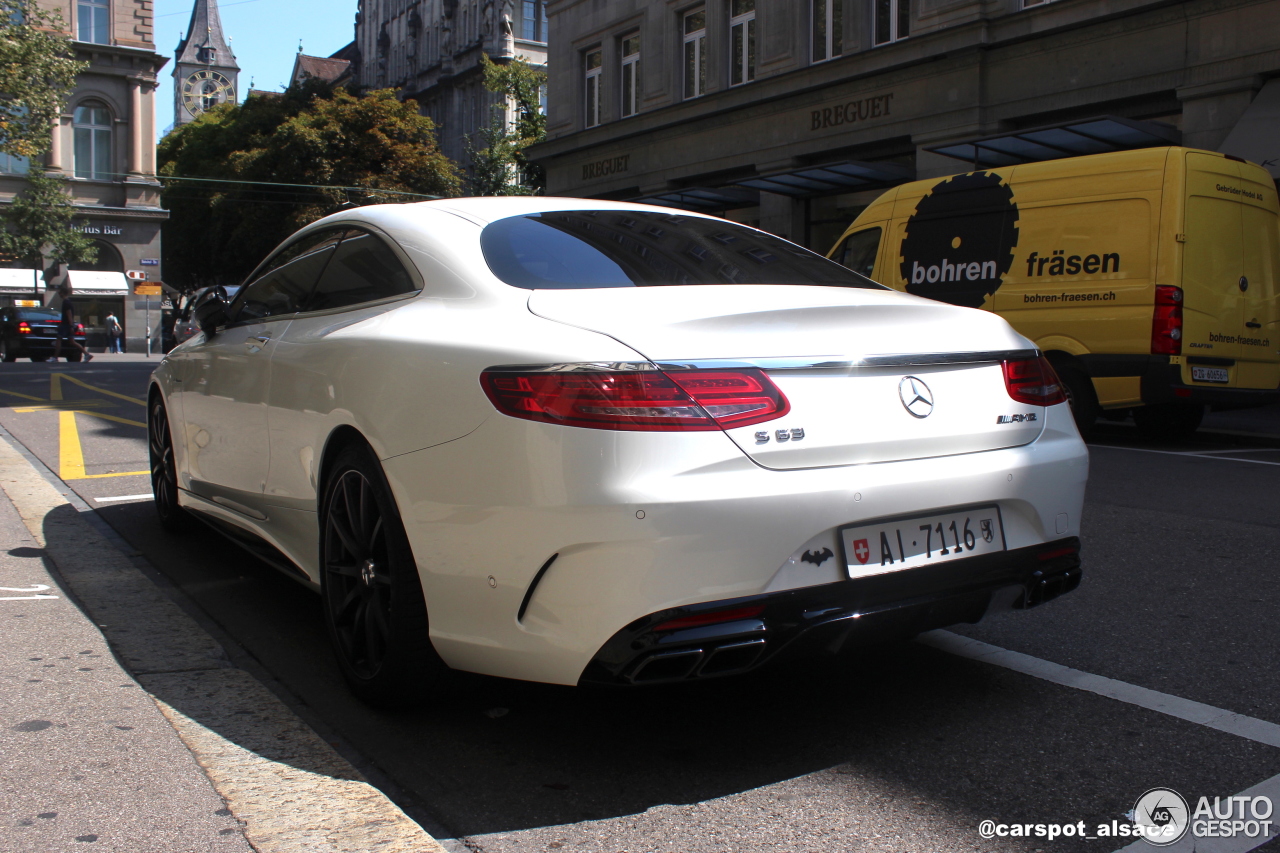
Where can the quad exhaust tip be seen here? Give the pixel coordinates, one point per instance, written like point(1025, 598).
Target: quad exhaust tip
point(681, 664)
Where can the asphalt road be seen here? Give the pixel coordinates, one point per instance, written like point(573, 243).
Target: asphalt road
point(900, 747)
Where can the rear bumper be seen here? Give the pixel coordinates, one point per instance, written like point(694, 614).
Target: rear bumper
point(1161, 382)
point(830, 616)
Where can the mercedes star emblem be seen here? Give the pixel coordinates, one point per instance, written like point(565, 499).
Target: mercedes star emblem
point(916, 396)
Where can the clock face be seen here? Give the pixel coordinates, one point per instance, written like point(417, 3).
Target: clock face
point(204, 90)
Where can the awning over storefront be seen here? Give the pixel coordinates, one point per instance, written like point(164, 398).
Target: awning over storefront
point(704, 199)
point(828, 178)
point(1256, 137)
point(1073, 139)
point(94, 283)
point(20, 282)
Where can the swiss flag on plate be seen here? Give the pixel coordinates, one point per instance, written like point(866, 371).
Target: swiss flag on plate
point(861, 551)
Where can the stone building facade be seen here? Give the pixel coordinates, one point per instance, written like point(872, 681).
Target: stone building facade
point(794, 115)
point(104, 143)
point(429, 50)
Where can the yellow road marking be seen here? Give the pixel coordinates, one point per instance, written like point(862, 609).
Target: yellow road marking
point(70, 456)
point(23, 396)
point(55, 386)
point(63, 405)
point(84, 384)
point(114, 418)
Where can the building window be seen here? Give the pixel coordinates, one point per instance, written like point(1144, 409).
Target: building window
point(533, 20)
point(742, 39)
point(11, 164)
point(828, 29)
point(695, 53)
point(630, 75)
point(92, 125)
point(594, 61)
point(93, 21)
point(893, 20)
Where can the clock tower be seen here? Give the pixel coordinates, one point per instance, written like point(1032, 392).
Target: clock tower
point(205, 70)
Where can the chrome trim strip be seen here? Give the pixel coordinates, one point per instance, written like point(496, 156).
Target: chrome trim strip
point(819, 362)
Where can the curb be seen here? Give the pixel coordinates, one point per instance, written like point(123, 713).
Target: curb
point(290, 790)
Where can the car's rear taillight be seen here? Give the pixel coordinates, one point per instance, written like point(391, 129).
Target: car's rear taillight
point(638, 400)
point(80, 330)
point(1166, 323)
point(24, 328)
point(1034, 381)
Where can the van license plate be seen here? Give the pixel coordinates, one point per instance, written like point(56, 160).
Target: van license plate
point(871, 549)
point(1210, 374)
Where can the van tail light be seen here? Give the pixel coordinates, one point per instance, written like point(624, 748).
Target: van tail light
point(651, 400)
point(1034, 381)
point(1166, 324)
point(24, 328)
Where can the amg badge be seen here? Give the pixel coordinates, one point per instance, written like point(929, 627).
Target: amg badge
point(1016, 419)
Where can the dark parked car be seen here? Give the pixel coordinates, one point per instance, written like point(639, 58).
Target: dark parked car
point(32, 333)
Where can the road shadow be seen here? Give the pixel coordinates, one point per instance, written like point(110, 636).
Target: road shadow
point(894, 726)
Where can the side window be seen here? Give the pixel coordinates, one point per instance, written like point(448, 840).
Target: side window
point(364, 269)
point(859, 251)
point(284, 281)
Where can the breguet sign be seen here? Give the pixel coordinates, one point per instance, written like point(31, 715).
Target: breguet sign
point(851, 112)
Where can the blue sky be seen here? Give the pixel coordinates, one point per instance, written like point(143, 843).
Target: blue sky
point(264, 37)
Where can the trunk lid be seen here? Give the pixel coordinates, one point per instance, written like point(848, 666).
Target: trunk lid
point(849, 362)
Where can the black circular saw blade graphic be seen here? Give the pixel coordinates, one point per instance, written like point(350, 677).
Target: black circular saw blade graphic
point(964, 220)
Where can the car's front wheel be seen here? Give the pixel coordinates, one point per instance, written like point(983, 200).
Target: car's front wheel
point(164, 470)
point(373, 602)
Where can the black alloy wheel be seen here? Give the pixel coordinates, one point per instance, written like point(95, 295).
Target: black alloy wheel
point(164, 471)
point(373, 602)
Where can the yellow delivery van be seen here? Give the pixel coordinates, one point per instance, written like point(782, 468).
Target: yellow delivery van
point(1147, 277)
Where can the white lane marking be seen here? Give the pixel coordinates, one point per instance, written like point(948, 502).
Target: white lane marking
point(35, 587)
point(148, 496)
point(1185, 454)
point(1238, 844)
point(1250, 728)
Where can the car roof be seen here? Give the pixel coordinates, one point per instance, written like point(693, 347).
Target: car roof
point(485, 209)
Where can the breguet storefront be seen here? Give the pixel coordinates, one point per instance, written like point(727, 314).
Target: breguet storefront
point(795, 116)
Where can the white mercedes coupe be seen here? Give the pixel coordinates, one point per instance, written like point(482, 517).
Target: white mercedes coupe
point(579, 441)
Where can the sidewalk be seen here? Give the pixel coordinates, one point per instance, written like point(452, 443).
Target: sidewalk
point(125, 725)
point(88, 756)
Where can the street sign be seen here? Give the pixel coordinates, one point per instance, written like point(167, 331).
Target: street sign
point(136, 275)
point(150, 262)
point(147, 289)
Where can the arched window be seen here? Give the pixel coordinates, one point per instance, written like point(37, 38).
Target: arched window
point(92, 123)
point(109, 259)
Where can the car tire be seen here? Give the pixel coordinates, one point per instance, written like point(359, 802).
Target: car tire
point(39, 358)
point(1168, 421)
point(1081, 396)
point(374, 608)
point(5, 355)
point(164, 469)
point(74, 356)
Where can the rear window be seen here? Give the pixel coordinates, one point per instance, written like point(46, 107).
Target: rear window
point(573, 249)
point(38, 314)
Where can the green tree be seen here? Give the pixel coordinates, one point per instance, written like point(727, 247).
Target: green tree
point(500, 167)
point(38, 70)
point(41, 222)
point(276, 163)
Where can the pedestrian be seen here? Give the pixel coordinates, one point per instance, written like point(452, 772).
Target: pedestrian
point(114, 333)
point(67, 326)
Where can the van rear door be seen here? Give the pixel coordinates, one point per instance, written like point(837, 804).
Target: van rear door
point(1230, 267)
point(1259, 364)
point(1212, 265)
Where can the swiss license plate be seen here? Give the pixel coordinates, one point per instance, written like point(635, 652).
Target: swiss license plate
point(905, 543)
point(1210, 374)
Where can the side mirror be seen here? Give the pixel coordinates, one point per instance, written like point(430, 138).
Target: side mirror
point(210, 310)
